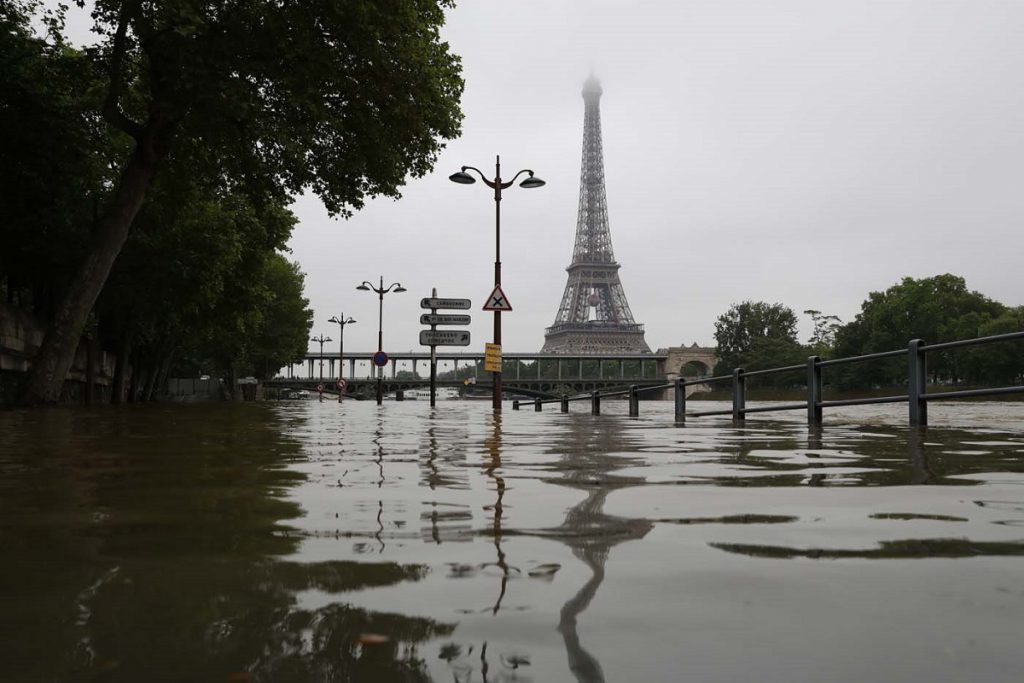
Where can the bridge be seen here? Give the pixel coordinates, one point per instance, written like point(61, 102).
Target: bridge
point(542, 375)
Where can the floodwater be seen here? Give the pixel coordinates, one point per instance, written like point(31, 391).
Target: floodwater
point(310, 541)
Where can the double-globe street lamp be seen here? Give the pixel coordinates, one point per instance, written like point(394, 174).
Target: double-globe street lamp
point(497, 185)
point(381, 291)
point(342, 321)
point(321, 339)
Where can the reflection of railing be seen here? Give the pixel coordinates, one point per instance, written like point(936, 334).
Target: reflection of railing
point(917, 397)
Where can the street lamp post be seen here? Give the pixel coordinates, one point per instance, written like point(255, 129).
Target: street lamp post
point(342, 321)
point(321, 339)
point(381, 291)
point(497, 185)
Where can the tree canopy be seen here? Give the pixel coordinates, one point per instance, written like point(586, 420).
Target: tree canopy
point(245, 103)
point(754, 335)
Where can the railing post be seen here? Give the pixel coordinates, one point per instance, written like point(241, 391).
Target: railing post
point(536, 405)
point(680, 400)
point(739, 395)
point(565, 404)
point(917, 373)
point(813, 390)
point(595, 403)
point(515, 405)
point(634, 401)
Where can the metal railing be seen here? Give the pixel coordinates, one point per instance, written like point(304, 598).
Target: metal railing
point(916, 397)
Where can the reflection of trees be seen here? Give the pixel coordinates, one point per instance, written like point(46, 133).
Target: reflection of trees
point(141, 545)
point(493, 446)
point(904, 549)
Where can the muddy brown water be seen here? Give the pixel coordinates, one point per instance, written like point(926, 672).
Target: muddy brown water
point(309, 541)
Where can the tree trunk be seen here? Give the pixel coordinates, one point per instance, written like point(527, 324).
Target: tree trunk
point(124, 354)
point(136, 377)
point(55, 356)
point(90, 369)
point(152, 370)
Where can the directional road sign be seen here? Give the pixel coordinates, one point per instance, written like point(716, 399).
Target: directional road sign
point(380, 359)
point(434, 302)
point(497, 301)
point(444, 319)
point(444, 337)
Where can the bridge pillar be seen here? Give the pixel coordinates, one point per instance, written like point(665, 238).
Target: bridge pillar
point(622, 368)
point(394, 368)
point(310, 368)
point(352, 368)
point(518, 367)
point(558, 364)
point(330, 367)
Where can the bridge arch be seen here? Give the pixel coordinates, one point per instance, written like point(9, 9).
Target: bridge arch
point(689, 361)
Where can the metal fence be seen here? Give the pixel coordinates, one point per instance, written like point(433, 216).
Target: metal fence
point(916, 397)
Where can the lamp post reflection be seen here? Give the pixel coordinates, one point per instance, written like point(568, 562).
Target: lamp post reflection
point(493, 446)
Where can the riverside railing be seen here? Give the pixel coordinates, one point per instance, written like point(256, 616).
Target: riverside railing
point(917, 396)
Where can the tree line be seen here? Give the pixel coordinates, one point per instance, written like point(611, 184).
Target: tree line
point(758, 335)
point(146, 178)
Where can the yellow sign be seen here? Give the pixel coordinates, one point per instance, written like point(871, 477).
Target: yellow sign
point(492, 358)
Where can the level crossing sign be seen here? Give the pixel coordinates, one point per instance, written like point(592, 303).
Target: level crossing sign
point(497, 301)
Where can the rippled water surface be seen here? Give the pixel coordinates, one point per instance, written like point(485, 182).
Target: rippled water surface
point(324, 542)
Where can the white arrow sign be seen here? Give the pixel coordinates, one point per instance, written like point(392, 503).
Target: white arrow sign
point(444, 337)
point(444, 319)
point(429, 302)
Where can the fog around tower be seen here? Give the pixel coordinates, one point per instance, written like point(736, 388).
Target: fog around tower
point(805, 152)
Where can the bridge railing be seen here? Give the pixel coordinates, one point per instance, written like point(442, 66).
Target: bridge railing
point(917, 396)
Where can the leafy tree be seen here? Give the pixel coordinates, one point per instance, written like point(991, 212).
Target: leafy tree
point(935, 309)
point(55, 168)
point(823, 338)
point(347, 99)
point(756, 335)
point(1000, 362)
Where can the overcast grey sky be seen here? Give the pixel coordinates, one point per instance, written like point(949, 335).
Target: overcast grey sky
point(805, 152)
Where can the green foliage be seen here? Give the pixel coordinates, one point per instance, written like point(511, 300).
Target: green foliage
point(756, 335)
point(211, 117)
point(347, 99)
point(823, 338)
point(1000, 362)
point(934, 309)
point(56, 154)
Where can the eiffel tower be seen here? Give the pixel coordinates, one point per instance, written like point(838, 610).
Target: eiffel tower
point(594, 316)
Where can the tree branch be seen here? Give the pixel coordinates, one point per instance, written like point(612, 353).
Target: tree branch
point(112, 111)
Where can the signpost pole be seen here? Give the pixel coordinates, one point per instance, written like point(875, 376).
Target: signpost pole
point(433, 358)
point(496, 399)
